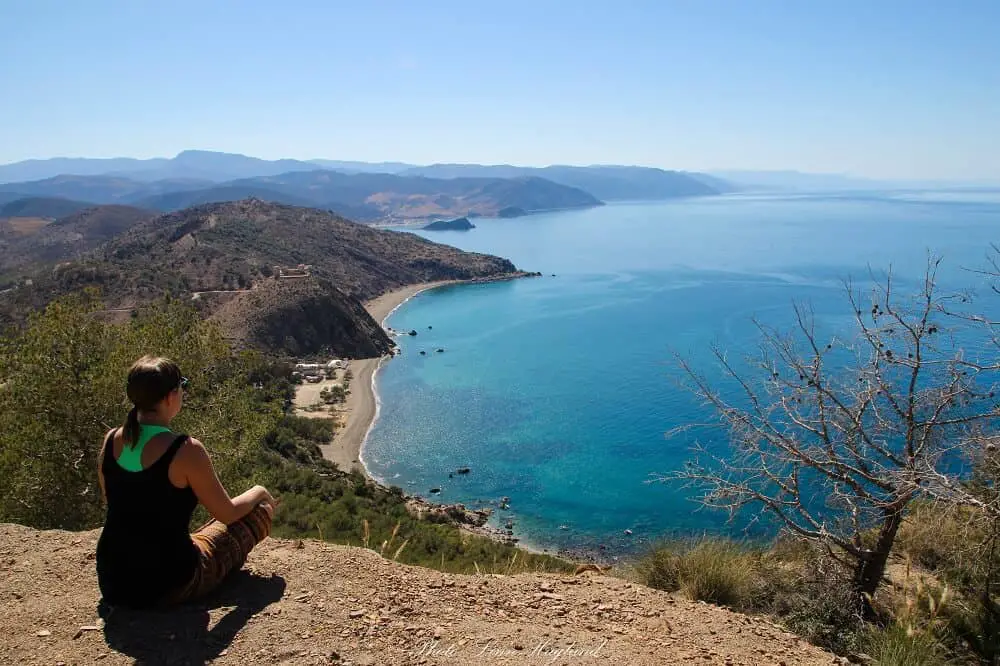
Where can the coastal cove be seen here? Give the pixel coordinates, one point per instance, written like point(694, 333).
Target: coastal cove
point(557, 392)
point(361, 407)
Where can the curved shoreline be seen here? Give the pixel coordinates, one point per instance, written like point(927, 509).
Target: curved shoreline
point(363, 403)
point(381, 309)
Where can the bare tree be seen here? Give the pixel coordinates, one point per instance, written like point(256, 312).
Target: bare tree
point(834, 438)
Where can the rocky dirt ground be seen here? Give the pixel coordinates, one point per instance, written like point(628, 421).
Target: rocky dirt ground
point(315, 603)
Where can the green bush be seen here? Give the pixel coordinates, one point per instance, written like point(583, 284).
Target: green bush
point(298, 439)
point(333, 395)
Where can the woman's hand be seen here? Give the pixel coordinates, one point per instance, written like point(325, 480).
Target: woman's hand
point(265, 496)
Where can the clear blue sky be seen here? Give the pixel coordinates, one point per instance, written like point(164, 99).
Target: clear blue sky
point(883, 88)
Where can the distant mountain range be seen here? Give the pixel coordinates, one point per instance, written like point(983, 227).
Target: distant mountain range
point(604, 182)
point(360, 196)
point(359, 190)
point(608, 183)
point(191, 164)
point(363, 167)
point(796, 181)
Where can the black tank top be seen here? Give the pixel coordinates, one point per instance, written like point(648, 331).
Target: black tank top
point(145, 551)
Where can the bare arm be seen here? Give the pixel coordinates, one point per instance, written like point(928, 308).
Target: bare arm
point(203, 480)
point(100, 466)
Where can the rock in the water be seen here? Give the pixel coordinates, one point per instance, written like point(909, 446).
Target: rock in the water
point(463, 470)
point(435, 491)
point(440, 350)
point(412, 332)
point(423, 353)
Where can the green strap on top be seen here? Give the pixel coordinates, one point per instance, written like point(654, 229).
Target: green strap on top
point(131, 456)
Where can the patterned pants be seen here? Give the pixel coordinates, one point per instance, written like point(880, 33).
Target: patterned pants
point(223, 549)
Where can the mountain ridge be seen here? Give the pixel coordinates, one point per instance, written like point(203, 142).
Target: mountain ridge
point(192, 176)
point(365, 196)
point(67, 237)
point(244, 250)
point(221, 166)
point(606, 182)
point(201, 164)
point(44, 207)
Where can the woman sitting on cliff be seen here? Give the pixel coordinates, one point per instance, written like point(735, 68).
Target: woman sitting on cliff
point(153, 479)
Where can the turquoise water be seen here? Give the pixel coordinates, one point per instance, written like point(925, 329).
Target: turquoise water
point(557, 391)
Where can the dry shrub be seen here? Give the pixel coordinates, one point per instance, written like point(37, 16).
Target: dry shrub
point(959, 546)
point(658, 569)
point(918, 619)
point(713, 570)
point(898, 645)
point(943, 539)
point(719, 572)
point(813, 597)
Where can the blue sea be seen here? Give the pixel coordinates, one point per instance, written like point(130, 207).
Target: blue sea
point(558, 391)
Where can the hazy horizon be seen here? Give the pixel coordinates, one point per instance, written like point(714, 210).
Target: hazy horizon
point(349, 159)
point(719, 172)
point(892, 90)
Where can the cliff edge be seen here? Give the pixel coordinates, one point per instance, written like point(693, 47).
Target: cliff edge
point(308, 602)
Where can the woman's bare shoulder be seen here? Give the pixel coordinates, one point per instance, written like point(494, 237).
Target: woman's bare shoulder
point(109, 436)
point(193, 451)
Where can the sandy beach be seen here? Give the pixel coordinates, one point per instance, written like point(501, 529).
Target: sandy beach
point(360, 408)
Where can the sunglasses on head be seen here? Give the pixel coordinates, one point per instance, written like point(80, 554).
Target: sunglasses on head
point(183, 383)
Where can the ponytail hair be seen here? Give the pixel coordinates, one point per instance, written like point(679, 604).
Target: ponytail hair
point(150, 380)
point(130, 431)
